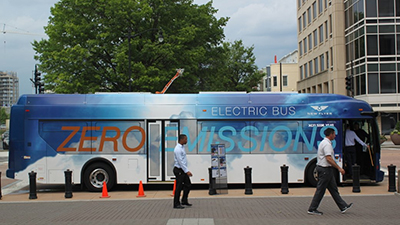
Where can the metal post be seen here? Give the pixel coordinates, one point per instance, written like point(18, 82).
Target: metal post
point(284, 179)
point(211, 185)
point(0, 186)
point(247, 185)
point(398, 183)
point(280, 76)
point(392, 177)
point(356, 178)
point(68, 183)
point(129, 61)
point(32, 185)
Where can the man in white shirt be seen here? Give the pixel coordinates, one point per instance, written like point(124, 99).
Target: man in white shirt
point(326, 175)
point(350, 149)
point(182, 174)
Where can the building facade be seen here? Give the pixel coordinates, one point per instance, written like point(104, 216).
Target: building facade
point(9, 89)
point(283, 75)
point(321, 46)
point(358, 39)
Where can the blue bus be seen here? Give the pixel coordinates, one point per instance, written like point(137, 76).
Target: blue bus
point(126, 138)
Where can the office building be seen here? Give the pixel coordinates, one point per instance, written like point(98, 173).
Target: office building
point(9, 88)
point(358, 39)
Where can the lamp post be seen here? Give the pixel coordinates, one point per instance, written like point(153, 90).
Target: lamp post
point(130, 36)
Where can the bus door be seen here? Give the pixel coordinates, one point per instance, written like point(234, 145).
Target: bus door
point(162, 138)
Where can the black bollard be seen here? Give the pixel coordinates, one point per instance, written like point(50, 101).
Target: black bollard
point(392, 178)
point(0, 186)
point(211, 183)
point(32, 185)
point(284, 179)
point(247, 177)
point(356, 178)
point(68, 183)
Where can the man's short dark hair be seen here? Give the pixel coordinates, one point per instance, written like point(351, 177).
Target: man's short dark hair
point(181, 136)
point(328, 132)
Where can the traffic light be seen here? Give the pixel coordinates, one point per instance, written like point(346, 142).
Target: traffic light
point(349, 82)
point(41, 88)
point(37, 78)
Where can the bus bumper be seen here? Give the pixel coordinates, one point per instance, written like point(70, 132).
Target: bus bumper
point(10, 173)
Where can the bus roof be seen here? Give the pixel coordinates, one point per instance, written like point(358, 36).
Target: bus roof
point(222, 105)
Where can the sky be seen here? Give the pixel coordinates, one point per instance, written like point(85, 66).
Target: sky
point(268, 25)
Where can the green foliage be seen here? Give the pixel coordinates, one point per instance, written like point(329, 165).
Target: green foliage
point(232, 70)
point(87, 49)
point(3, 115)
point(396, 128)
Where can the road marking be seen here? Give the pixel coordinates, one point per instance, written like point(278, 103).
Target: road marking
point(191, 221)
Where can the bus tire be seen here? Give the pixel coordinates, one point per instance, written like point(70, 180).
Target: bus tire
point(311, 174)
point(95, 174)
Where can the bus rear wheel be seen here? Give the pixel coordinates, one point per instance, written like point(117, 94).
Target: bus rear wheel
point(97, 173)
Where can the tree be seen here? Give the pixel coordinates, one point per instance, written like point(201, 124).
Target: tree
point(235, 69)
point(4, 115)
point(87, 49)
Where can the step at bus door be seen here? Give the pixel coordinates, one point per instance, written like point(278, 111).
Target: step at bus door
point(162, 138)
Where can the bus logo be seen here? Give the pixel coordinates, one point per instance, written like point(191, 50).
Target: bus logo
point(320, 108)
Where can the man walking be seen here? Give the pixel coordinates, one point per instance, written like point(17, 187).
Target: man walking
point(182, 174)
point(326, 175)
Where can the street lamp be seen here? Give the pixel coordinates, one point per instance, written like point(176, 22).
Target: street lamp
point(130, 36)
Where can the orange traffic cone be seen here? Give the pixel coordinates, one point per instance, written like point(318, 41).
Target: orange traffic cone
point(141, 191)
point(173, 190)
point(105, 192)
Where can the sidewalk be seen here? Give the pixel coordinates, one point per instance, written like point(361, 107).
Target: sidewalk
point(389, 156)
point(22, 196)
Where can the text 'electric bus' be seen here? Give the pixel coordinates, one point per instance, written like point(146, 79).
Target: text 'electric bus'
point(130, 137)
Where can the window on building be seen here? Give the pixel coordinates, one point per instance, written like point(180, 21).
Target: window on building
point(304, 20)
point(285, 80)
point(301, 73)
point(398, 9)
point(315, 38)
point(327, 60)
point(299, 24)
point(361, 11)
point(316, 66)
point(322, 62)
point(372, 45)
point(371, 8)
point(314, 10)
point(373, 83)
point(309, 42)
point(386, 8)
point(330, 26)
point(387, 44)
point(398, 45)
point(388, 83)
point(321, 33)
point(305, 45)
point(300, 48)
point(305, 70)
point(331, 57)
point(320, 7)
point(275, 81)
point(309, 15)
point(298, 3)
point(310, 66)
point(326, 29)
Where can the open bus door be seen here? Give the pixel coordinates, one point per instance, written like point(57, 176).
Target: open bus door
point(366, 130)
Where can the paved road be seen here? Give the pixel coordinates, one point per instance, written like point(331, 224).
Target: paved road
point(218, 211)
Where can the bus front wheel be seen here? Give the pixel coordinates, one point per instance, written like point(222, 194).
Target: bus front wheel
point(97, 173)
point(312, 175)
